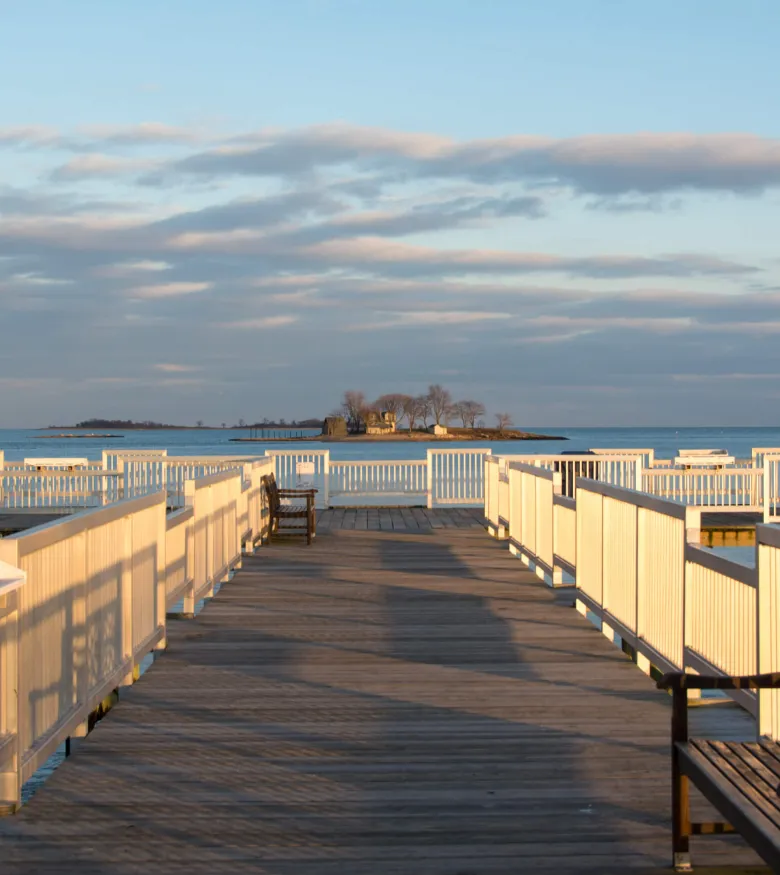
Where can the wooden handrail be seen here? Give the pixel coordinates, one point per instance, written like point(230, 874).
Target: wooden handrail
point(681, 681)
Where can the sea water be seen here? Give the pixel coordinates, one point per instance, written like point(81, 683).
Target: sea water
point(19, 443)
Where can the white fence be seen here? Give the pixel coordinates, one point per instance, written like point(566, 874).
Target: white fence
point(84, 599)
point(725, 489)
point(444, 477)
point(638, 569)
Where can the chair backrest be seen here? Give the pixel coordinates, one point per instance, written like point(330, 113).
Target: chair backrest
point(272, 490)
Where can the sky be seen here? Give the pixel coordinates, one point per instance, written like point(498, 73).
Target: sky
point(568, 211)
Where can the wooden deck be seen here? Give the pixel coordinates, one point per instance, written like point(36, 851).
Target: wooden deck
point(400, 701)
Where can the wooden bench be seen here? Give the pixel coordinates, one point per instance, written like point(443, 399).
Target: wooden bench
point(740, 779)
point(290, 504)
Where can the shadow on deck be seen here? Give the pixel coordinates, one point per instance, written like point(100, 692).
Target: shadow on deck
point(405, 700)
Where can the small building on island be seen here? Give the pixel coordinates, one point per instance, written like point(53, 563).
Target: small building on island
point(438, 429)
point(380, 422)
point(335, 426)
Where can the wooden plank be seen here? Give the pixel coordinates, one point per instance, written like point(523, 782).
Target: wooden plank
point(386, 702)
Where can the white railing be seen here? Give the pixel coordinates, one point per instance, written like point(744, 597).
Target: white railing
point(444, 477)
point(768, 627)
point(619, 467)
point(491, 477)
point(530, 514)
point(771, 487)
point(84, 599)
point(455, 476)
point(28, 488)
point(638, 569)
point(720, 617)
point(356, 479)
point(91, 607)
point(564, 535)
point(739, 489)
point(287, 461)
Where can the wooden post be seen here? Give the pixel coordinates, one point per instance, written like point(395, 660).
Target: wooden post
point(681, 820)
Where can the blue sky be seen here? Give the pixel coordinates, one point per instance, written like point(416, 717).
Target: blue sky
point(564, 209)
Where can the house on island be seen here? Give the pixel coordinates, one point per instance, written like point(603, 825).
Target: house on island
point(335, 426)
point(437, 429)
point(380, 422)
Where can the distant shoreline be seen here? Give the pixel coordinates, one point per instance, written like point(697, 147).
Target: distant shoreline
point(92, 436)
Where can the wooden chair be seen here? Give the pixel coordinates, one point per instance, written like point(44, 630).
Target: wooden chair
point(290, 504)
point(740, 779)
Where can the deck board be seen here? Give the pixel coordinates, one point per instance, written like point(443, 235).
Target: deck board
point(385, 702)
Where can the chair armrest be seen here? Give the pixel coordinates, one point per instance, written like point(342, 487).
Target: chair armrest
point(284, 492)
point(680, 681)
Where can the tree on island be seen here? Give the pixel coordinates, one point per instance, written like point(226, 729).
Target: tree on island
point(354, 409)
point(468, 411)
point(503, 420)
point(436, 406)
point(440, 403)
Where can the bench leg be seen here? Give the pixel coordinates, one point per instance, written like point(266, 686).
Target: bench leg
point(681, 810)
point(681, 822)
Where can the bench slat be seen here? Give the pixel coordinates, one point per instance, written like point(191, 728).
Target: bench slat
point(719, 784)
point(768, 777)
point(740, 778)
point(753, 784)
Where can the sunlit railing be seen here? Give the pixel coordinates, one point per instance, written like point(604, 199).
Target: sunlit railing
point(638, 570)
point(84, 599)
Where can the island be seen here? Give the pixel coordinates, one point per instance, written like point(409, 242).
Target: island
point(68, 436)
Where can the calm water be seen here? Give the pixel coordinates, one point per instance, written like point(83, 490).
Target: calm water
point(19, 443)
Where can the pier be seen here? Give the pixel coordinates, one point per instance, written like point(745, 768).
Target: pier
point(394, 700)
point(407, 694)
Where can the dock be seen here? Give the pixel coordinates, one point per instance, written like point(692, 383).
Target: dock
point(404, 696)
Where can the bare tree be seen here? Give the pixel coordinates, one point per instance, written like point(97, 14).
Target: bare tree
point(504, 420)
point(392, 403)
point(241, 423)
point(470, 410)
point(199, 423)
point(424, 409)
point(440, 400)
point(354, 406)
point(411, 411)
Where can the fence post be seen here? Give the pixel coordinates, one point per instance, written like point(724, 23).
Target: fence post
point(326, 479)
point(188, 606)
point(767, 496)
point(11, 769)
point(127, 599)
point(766, 637)
point(557, 488)
point(161, 573)
point(429, 475)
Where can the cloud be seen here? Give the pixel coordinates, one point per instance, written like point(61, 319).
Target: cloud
point(170, 368)
point(425, 318)
point(96, 166)
point(29, 136)
point(411, 259)
point(168, 290)
point(645, 163)
point(141, 134)
point(260, 323)
point(131, 268)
